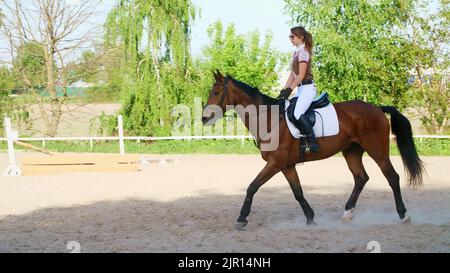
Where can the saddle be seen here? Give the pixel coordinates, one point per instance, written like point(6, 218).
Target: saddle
point(317, 103)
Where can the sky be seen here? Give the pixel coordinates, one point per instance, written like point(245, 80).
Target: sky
point(247, 15)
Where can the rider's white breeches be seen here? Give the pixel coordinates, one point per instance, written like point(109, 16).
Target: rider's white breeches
point(305, 94)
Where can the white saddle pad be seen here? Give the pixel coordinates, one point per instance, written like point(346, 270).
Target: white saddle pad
point(327, 123)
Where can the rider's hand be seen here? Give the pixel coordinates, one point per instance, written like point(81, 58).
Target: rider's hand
point(285, 93)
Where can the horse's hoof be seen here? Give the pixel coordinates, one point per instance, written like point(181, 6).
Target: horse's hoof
point(406, 219)
point(311, 223)
point(348, 216)
point(241, 225)
point(347, 219)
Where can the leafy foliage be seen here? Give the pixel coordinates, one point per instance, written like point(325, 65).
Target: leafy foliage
point(243, 56)
point(359, 54)
point(31, 61)
point(153, 34)
point(430, 38)
point(157, 70)
point(8, 106)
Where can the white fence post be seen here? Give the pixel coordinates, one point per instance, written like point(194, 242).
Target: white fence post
point(121, 142)
point(13, 169)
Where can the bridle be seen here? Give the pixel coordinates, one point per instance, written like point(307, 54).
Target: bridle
point(225, 90)
point(225, 94)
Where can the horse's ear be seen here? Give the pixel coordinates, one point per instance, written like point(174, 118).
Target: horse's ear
point(217, 75)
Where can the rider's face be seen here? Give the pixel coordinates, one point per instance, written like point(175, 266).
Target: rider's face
point(294, 39)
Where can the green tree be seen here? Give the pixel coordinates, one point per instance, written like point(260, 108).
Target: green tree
point(30, 61)
point(8, 106)
point(7, 80)
point(7, 83)
point(428, 32)
point(154, 36)
point(88, 68)
point(359, 50)
point(101, 68)
point(243, 56)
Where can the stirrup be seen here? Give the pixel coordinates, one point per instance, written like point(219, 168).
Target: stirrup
point(304, 147)
point(308, 140)
point(307, 149)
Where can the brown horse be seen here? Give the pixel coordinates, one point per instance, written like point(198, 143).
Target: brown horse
point(363, 127)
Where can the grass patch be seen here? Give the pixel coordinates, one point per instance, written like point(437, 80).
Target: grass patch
point(155, 147)
point(426, 147)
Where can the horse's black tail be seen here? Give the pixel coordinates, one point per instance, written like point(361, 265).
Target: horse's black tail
point(401, 127)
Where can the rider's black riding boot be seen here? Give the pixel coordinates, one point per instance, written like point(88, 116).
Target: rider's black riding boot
point(307, 130)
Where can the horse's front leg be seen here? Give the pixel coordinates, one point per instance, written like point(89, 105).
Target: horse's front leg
point(292, 177)
point(268, 172)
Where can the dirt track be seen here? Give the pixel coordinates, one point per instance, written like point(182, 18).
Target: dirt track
point(192, 206)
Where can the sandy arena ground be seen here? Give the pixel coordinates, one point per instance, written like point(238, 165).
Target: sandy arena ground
point(192, 206)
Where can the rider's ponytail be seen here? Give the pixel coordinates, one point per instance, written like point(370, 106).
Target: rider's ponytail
point(309, 42)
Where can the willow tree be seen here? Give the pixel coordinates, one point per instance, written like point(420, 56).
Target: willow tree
point(154, 37)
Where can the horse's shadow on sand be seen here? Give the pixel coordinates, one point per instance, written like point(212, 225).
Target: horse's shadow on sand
point(206, 224)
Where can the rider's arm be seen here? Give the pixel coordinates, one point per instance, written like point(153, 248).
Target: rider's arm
point(289, 80)
point(301, 75)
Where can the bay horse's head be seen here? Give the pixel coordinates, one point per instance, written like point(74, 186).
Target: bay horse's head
point(220, 96)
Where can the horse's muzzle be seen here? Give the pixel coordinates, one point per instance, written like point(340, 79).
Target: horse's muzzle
point(206, 119)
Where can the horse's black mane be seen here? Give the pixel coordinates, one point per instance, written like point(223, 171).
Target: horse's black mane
point(254, 92)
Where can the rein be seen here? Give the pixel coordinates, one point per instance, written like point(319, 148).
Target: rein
point(281, 104)
point(225, 93)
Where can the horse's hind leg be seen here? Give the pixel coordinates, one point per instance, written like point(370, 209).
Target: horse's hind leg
point(393, 179)
point(353, 156)
point(292, 177)
point(381, 156)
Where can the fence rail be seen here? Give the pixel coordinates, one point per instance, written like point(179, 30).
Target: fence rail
point(141, 138)
point(121, 138)
point(128, 138)
point(91, 140)
point(13, 137)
